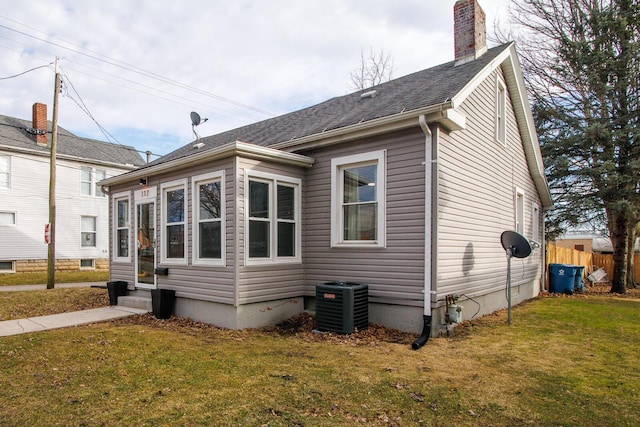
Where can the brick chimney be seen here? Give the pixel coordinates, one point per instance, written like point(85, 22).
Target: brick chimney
point(40, 123)
point(470, 33)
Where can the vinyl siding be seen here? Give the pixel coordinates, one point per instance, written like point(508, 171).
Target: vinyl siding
point(207, 283)
point(395, 273)
point(28, 197)
point(478, 177)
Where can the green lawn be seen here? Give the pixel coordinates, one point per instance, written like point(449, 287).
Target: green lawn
point(60, 277)
point(563, 361)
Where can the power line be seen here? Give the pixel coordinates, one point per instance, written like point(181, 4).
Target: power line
point(25, 72)
point(134, 69)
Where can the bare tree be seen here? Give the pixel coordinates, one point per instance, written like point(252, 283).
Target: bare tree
point(374, 68)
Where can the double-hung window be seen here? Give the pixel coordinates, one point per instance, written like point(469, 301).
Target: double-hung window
point(208, 219)
point(5, 172)
point(122, 221)
point(519, 210)
point(89, 178)
point(174, 221)
point(272, 218)
point(88, 231)
point(501, 112)
point(358, 200)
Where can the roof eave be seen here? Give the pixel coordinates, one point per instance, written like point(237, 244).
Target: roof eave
point(237, 148)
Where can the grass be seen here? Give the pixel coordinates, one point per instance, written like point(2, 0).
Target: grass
point(60, 277)
point(563, 361)
point(18, 305)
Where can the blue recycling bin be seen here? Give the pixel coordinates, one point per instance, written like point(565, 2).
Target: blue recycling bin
point(578, 284)
point(562, 278)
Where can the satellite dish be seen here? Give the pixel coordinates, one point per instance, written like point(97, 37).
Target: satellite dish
point(515, 245)
point(195, 118)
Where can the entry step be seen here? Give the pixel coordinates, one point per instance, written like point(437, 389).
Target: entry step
point(135, 302)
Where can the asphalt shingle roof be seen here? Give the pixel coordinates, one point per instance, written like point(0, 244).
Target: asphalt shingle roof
point(13, 133)
point(429, 87)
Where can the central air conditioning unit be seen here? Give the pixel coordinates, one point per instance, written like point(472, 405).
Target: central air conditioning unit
point(342, 307)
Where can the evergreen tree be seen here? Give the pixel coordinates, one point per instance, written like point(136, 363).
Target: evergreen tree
point(582, 63)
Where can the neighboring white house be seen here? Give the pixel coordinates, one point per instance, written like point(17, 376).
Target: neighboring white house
point(406, 187)
point(82, 208)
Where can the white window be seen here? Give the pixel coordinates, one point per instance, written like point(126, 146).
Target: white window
point(358, 200)
point(174, 222)
point(7, 267)
point(88, 231)
point(7, 218)
point(89, 178)
point(535, 222)
point(122, 226)
point(208, 219)
point(519, 219)
point(87, 264)
point(501, 111)
point(272, 219)
point(5, 172)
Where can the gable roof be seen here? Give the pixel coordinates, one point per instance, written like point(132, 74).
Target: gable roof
point(435, 93)
point(427, 88)
point(14, 136)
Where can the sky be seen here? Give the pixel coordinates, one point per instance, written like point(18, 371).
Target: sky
point(134, 70)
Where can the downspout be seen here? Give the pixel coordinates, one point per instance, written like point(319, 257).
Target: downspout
point(430, 215)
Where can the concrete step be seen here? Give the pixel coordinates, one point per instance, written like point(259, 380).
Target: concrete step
point(135, 302)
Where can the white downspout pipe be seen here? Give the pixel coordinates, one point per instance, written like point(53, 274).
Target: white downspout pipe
point(430, 191)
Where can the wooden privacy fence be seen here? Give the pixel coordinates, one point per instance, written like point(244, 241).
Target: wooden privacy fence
point(590, 261)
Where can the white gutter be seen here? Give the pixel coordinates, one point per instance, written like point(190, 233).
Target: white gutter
point(236, 148)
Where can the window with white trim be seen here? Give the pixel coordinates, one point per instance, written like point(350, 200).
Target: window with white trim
point(501, 112)
point(519, 211)
point(7, 218)
point(7, 267)
point(208, 219)
point(122, 226)
point(272, 219)
point(88, 231)
point(87, 264)
point(5, 172)
point(89, 178)
point(535, 222)
point(358, 200)
point(174, 221)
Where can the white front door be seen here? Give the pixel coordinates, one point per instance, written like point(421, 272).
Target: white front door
point(146, 245)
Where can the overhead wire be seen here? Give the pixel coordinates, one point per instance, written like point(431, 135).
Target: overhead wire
point(25, 72)
point(131, 68)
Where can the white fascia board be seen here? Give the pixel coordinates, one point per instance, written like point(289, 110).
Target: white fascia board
point(237, 148)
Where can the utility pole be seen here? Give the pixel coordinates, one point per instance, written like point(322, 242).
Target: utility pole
point(51, 259)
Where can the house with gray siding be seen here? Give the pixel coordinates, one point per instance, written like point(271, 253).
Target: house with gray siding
point(406, 186)
point(82, 209)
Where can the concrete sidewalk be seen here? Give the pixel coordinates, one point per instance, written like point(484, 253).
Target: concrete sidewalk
point(63, 320)
point(18, 288)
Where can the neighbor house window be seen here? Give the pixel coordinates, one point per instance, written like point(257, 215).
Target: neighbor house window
point(87, 264)
point(88, 231)
point(272, 218)
point(358, 200)
point(122, 225)
point(7, 218)
point(5, 172)
point(501, 111)
point(208, 219)
point(519, 211)
point(174, 221)
point(89, 178)
point(7, 267)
